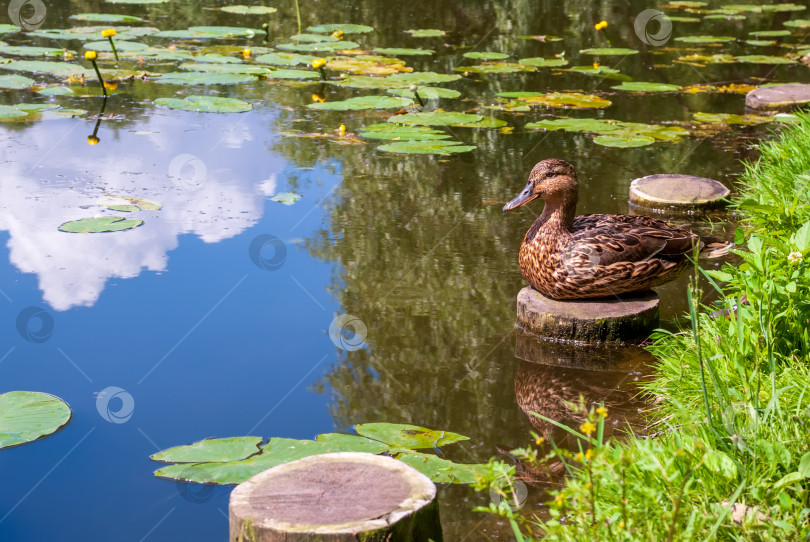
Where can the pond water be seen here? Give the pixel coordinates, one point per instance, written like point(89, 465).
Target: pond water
point(214, 315)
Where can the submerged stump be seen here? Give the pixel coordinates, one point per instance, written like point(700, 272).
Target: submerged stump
point(672, 193)
point(778, 97)
point(629, 318)
point(338, 497)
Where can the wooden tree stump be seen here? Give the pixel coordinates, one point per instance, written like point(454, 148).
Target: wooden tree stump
point(778, 98)
point(339, 497)
point(671, 193)
point(629, 318)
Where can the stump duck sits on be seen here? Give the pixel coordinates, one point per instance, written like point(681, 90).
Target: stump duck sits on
point(564, 256)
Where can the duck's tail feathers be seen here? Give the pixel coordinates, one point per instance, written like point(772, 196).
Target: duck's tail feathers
point(714, 247)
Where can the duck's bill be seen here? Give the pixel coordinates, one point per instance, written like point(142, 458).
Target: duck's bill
point(522, 199)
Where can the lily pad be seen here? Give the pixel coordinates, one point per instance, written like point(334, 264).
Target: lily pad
point(559, 99)
point(313, 38)
point(798, 23)
point(28, 50)
point(640, 86)
point(285, 59)
point(609, 51)
point(436, 118)
point(211, 32)
point(99, 225)
point(105, 18)
point(213, 58)
point(541, 62)
point(363, 102)
point(397, 80)
point(397, 132)
point(442, 471)
point(729, 118)
point(403, 51)
point(573, 125)
point(770, 33)
point(55, 91)
point(26, 416)
point(764, 59)
point(130, 203)
point(203, 78)
point(496, 67)
point(120, 46)
point(623, 141)
point(287, 198)
point(600, 71)
point(8, 29)
point(347, 28)
point(483, 55)
point(205, 104)
point(425, 93)
point(426, 147)
point(225, 68)
point(59, 69)
point(407, 436)
point(218, 450)
point(426, 33)
point(249, 10)
point(16, 82)
point(704, 39)
point(367, 64)
point(318, 47)
point(759, 8)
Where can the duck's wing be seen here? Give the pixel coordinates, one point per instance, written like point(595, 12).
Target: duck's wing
point(611, 239)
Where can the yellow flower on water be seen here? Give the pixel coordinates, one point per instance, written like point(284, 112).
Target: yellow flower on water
point(318, 98)
point(595, 65)
point(108, 33)
point(342, 130)
point(319, 63)
point(587, 428)
point(112, 85)
point(246, 53)
point(601, 25)
point(90, 55)
point(93, 140)
point(602, 411)
point(338, 34)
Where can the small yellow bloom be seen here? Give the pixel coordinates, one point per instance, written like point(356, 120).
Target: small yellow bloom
point(579, 457)
point(90, 55)
point(338, 34)
point(601, 25)
point(587, 428)
point(539, 440)
point(342, 130)
point(108, 33)
point(318, 98)
point(589, 454)
point(93, 140)
point(595, 65)
point(559, 500)
point(319, 63)
point(246, 53)
point(111, 85)
point(602, 411)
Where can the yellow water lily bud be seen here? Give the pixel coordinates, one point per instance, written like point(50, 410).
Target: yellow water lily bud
point(93, 140)
point(595, 65)
point(318, 98)
point(342, 130)
point(601, 25)
point(90, 55)
point(319, 63)
point(246, 53)
point(338, 34)
point(112, 85)
point(108, 33)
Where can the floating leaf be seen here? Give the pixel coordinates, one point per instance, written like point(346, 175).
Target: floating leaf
point(436, 118)
point(8, 29)
point(640, 86)
point(559, 99)
point(704, 39)
point(26, 416)
point(764, 59)
point(287, 198)
point(367, 64)
point(318, 47)
point(16, 82)
point(202, 78)
point(442, 471)
point(218, 450)
point(120, 46)
point(541, 62)
point(798, 23)
point(425, 93)
point(601, 71)
point(217, 59)
point(426, 33)
point(206, 104)
point(407, 436)
point(129, 202)
point(363, 102)
point(426, 147)
point(351, 443)
point(623, 141)
point(105, 18)
point(285, 59)
point(59, 69)
point(496, 67)
point(728, 118)
point(770, 33)
point(397, 80)
point(55, 91)
point(760, 43)
point(485, 55)
point(206, 32)
point(609, 51)
point(28, 50)
point(225, 68)
point(759, 8)
point(249, 10)
point(397, 132)
point(346, 28)
point(99, 225)
point(573, 125)
point(402, 51)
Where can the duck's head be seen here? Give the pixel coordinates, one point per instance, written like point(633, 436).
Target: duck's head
point(549, 180)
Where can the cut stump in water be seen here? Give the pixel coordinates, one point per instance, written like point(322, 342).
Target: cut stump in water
point(338, 497)
point(778, 97)
point(672, 193)
point(628, 319)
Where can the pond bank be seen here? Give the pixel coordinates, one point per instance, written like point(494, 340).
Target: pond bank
point(728, 455)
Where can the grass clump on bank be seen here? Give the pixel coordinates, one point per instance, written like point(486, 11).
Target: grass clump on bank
point(729, 457)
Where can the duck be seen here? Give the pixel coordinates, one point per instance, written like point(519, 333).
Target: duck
point(564, 256)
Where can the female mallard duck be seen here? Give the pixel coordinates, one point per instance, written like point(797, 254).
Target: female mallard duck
point(575, 257)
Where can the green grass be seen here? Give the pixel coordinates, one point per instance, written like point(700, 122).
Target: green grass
point(730, 455)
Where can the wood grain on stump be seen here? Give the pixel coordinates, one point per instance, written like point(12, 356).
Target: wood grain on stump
point(677, 194)
point(337, 497)
point(629, 318)
point(778, 97)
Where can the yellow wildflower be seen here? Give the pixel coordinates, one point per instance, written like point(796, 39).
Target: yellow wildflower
point(93, 140)
point(342, 130)
point(589, 454)
point(602, 411)
point(319, 63)
point(559, 500)
point(539, 440)
point(579, 457)
point(246, 53)
point(601, 25)
point(90, 55)
point(587, 428)
point(338, 34)
point(108, 33)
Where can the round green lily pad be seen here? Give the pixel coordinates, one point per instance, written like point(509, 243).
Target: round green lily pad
point(425, 93)
point(26, 416)
point(485, 55)
point(347, 28)
point(764, 59)
point(212, 32)
point(29, 50)
point(704, 39)
point(770, 33)
point(99, 225)
point(623, 141)
point(426, 33)
point(15, 82)
point(496, 67)
point(318, 47)
point(285, 59)
point(402, 51)
point(249, 10)
point(120, 46)
point(55, 91)
point(609, 51)
point(426, 147)
point(11, 112)
point(205, 104)
point(313, 38)
point(105, 18)
point(540, 62)
point(798, 23)
point(363, 102)
point(204, 78)
point(641, 86)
